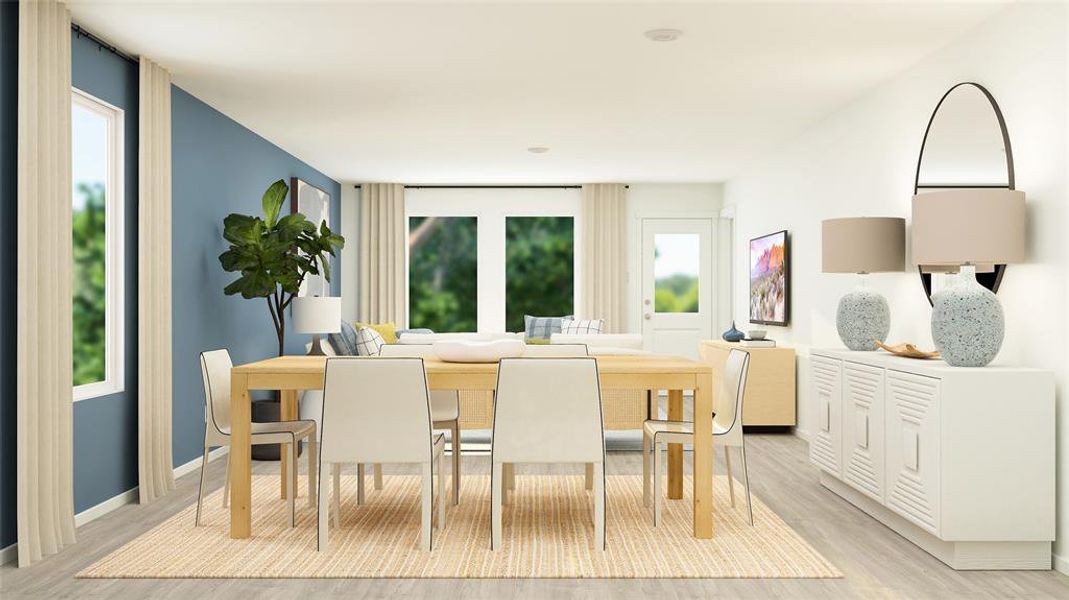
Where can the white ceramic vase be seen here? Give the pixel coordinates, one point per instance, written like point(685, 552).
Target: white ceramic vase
point(967, 322)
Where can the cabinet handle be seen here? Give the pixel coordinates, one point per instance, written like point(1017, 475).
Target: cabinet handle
point(911, 449)
point(825, 416)
point(861, 428)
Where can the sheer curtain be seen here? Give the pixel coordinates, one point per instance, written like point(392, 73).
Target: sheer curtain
point(44, 393)
point(604, 251)
point(154, 461)
point(382, 254)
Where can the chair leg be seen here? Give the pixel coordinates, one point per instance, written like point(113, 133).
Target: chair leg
point(378, 476)
point(645, 470)
point(589, 476)
point(425, 528)
point(335, 503)
point(746, 481)
point(360, 484)
point(658, 474)
point(508, 481)
point(313, 470)
point(226, 481)
point(456, 462)
point(200, 494)
point(322, 517)
point(291, 483)
point(731, 480)
point(599, 506)
point(497, 485)
point(441, 492)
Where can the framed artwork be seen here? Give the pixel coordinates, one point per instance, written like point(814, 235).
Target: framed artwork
point(770, 282)
point(314, 204)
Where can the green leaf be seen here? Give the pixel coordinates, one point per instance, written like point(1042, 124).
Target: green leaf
point(242, 229)
point(291, 226)
point(272, 201)
point(239, 258)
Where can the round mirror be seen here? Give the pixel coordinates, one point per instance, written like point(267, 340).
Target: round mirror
point(965, 146)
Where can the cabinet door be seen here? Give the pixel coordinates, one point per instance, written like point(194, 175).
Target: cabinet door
point(825, 445)
point(863, 425)
point(913, 448)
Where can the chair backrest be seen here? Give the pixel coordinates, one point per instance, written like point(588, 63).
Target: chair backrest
point(557, 350)
point(421, 351)
point(215, 368)
point(376, 410)
point(733, 389)
point(548, 410)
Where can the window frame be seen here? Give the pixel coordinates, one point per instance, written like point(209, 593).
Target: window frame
point(114, 259)
point(491, 207)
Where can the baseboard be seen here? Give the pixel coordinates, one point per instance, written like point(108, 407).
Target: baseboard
point(1061, 564)
point(11, 553)
point(802, 433)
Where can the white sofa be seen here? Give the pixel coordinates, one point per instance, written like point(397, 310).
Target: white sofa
point(430, 338)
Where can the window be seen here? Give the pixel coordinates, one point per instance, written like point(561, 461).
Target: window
point(675, 272)
point(442, 273)
point(539, 268)
point(97, 278)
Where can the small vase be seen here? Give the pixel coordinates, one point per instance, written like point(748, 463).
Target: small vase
point(863, 318)
point(733, 335)
point(967, 322)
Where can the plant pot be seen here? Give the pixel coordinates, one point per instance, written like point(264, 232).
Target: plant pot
point(267, 411)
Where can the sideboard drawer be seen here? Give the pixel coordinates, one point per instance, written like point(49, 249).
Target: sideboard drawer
point(913, 438)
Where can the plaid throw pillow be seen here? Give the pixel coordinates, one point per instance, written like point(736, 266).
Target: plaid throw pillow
point(582, 326)
point(369, 342)
point(541, 328)
point(344, 342)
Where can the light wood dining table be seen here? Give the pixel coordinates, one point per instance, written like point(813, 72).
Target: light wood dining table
point(291, 374)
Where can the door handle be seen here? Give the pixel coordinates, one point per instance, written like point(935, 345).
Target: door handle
point(647, 316)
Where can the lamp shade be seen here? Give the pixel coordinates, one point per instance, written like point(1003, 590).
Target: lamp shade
point(863, 245)
point(976, 226)
point(317, 314)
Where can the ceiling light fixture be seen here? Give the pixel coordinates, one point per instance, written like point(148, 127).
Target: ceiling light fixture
point(538, 149)
point(663, 35)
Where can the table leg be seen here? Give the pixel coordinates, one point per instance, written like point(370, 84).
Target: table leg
point(703, 457)
point(288, 412)
point(675, 451)
point(240, 458)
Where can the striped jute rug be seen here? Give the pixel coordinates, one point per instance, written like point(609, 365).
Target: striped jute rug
point(548, 532)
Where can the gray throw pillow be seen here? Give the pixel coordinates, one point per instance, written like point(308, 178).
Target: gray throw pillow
point(541, 328)
point(344, 342)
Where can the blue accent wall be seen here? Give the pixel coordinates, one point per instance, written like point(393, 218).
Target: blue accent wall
point(9, 28)
point(219, 167)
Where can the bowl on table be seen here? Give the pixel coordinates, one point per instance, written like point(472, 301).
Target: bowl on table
point(756, 334)
point(469, 351)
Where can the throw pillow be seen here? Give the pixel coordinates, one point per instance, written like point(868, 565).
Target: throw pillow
point(369, 342)
point(422, 330)
point(582, 326)
point(541, 327)
point(344, 342)
point(388, 331)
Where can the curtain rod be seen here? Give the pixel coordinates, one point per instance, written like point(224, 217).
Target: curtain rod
point(491, 187)
point(101, 44)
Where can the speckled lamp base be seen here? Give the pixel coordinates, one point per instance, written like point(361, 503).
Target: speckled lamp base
point(967, 322)
point(863, 317)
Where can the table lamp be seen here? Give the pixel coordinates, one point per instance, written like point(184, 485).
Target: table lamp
point(962, 230)
point(316, 315)
point(863, 245)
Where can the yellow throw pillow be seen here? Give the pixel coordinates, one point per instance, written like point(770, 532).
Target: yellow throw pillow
point(388, 331)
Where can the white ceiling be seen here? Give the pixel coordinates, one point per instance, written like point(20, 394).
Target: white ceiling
point(455, 93)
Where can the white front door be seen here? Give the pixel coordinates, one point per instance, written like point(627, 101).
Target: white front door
point(677, 294)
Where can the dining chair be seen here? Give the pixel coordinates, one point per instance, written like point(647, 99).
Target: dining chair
point(377, 410)
point(727, 431)
point(548, 410)
point(215, 368)
point(445, 406)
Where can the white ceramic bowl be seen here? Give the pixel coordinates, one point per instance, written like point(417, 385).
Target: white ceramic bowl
point(757, 334)
point(467, 351)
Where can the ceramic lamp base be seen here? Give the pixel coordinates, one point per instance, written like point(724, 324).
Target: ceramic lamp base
point(967, 322)
point(863, 318)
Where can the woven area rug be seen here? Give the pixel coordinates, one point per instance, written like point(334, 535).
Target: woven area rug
point(548, 533)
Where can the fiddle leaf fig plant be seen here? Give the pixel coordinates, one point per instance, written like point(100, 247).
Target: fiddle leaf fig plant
point(274, 255)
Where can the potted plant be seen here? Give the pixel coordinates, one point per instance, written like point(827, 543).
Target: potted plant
point(273, 255)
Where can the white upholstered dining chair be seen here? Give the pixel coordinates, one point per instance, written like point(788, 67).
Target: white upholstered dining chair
point(548, 410)
point(727, 431)
point(445, 406)
point(215, 368)
point(377, 410)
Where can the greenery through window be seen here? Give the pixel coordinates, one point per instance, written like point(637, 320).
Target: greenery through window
point(89, 168)
point(675, 272)
point(539, 268)
point(442, 273)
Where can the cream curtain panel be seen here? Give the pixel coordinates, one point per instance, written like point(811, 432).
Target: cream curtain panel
point(604, 251)
point(155, 466)
point(382, 253)
point(44, 473)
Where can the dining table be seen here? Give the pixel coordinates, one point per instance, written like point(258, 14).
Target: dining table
point(654, 373)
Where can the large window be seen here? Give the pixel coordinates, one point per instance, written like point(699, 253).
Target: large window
point(539, 268)
point(442, 273)
point(96, 170)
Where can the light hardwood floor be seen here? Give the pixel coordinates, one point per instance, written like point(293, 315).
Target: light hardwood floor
point(877, 563)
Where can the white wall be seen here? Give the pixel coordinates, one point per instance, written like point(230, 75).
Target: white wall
point(861, 161)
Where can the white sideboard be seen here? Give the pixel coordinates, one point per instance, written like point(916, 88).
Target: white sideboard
point(959, 461)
